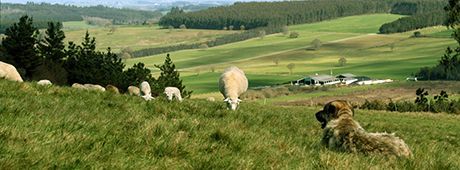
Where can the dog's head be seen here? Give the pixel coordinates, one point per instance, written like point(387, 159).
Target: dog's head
point(331, 111)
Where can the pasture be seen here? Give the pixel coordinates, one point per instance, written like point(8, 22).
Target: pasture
point(137, 37)
point(394, 56)
point(64, 128)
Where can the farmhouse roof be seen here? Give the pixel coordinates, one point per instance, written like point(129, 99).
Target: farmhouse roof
point(346, 75)
point(323, 78)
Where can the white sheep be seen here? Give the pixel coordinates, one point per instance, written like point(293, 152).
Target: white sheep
point(232, 84)
point(9, 72)
point(133, 90)
point(44, 83)
point(78, 86)
point(88, 87)
point(146, 91)
point(94, 87)
point(173, 92)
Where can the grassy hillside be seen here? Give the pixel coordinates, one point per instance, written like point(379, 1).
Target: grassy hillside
point(138, 37)
point(353, 37)
point(354, 24)
point(67, 128)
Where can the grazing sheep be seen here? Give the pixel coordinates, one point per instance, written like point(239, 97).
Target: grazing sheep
point(211, 99)
point(44, 83)
point(146, 91)
point(78, 86)
point(232, 84)
point(9, 72)
point(88, 87)
point(133, 90)
point(343, 133)
point(173, 91)
point(112, 89)
point(94, 87)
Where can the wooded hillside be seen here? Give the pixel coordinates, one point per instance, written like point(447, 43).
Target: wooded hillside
point(43, 13)
point(260, 14)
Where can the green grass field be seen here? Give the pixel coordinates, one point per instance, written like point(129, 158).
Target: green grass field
point(76, 25)
point(353, 37)
point(64, 128)
point(137, 37)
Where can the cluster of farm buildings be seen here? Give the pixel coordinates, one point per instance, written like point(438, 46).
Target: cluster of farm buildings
point(341, 79)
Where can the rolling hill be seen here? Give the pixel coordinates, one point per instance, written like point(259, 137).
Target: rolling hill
point(354, 38)
point(65, 128)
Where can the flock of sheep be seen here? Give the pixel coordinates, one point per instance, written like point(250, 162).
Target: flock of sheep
point(232, 83)
point(341, 132)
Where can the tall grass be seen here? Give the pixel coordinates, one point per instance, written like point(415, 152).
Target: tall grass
point(64, 128)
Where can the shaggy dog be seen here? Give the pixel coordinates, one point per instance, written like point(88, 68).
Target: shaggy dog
point(342, 133)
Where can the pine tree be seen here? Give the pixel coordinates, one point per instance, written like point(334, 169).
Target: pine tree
point(86, 65)
point(52, 47)
point(170, 77)
point(88, 45)
point(19, 44)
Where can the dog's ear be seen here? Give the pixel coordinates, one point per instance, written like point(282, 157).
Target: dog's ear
point(330, 110)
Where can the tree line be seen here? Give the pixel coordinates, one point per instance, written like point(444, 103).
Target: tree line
point(48, 58)
point(423, 14)
point(262, 14)
point(448, 67)
point(44, 12)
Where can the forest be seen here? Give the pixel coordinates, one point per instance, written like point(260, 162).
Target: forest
point(262, 14)
point(423, 14)
point(44, 12)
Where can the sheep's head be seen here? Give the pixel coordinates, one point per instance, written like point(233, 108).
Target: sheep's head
point(232, 103)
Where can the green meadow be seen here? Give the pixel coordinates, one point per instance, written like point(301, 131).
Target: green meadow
point(394, 56)
point(65, 128)
point(137, 37)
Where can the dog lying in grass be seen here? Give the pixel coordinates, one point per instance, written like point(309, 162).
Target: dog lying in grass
point(342, 133)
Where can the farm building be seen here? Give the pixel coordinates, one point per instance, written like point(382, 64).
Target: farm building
point(347, 78)
point(317, 80)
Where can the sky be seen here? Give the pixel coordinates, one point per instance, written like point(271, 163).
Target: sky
point(153, 1)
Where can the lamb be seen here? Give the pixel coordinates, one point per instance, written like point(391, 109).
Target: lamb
point(133, 90)
point(44, 83)
point(173, 91)
point(232, 84)
point(146, 91)
point(9, 72)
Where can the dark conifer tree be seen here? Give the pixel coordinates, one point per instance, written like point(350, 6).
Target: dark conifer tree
point(19, 44)
point(51, 48)
point(170, 77)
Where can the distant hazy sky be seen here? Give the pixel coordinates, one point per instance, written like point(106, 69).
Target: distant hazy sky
point(66, 1)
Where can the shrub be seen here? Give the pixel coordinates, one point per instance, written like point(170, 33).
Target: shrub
point(294, 35)
point(316, 44)
point(374, 105)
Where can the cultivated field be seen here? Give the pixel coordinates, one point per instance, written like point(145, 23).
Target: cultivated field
point(137, 37)
point(67, 128)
